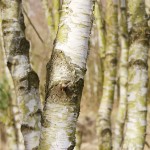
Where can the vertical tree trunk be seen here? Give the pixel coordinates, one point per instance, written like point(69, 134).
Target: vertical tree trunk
point(100, 22)
point(13, 108)
point(123, 78)
point(101, 27)
point(25, 79)
point(103, 121)
point(138, 77)
point(65, 76)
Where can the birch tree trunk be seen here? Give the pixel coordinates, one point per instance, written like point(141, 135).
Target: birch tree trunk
point(123, 78)
point(138, 77)
point(65, 76)
point(25, 79)
point(100, 22)
point(101, 27)
point(103, 121)
point(12, 98)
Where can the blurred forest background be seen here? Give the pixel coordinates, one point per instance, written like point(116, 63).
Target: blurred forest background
point(40, 52)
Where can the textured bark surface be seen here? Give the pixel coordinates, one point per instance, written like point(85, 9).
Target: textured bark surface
point(138, 77)
point(123, 78)
point(65, 76)
point(18, 139)
point(25, 79)
point(100, 22)
point(103, 120)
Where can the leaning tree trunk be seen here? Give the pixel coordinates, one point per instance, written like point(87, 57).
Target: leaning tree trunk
point(25, 79)
point(123, 78)
point(65, 76)
point(138, 77)
point(103, 120)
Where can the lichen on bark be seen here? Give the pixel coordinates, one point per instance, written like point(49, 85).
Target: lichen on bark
point(135, 128)
point(25, 79)
point(110, 64)
point(123, 79)
point(65, 76)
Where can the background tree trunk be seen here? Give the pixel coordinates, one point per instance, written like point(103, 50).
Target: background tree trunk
point(100, 22)
point(135, 129)
point(25, 79)
point(13, 127)
point(123, 78)
point(110, 64)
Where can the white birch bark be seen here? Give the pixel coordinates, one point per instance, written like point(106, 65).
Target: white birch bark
point(110, 64)
point(25, 79)
point(135, 130)
point(123, 78)
point(65, 76)
point(15, 129)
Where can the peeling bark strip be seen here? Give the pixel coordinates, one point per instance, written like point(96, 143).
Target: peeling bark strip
point(123, 78)
point(110, 63)
point(135, 130)
point(65, 76)
point(25, 79)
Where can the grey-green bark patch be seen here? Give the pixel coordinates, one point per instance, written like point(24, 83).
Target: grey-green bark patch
point(138, 77)
point(65, 91)
point(63, 34)
point(25, 79)
point(110, 63)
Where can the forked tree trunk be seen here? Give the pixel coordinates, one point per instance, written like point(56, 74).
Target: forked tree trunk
point(25, 79)
point(135, 130)
point(104, 113)
point(123, 78)
point(65, 76)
